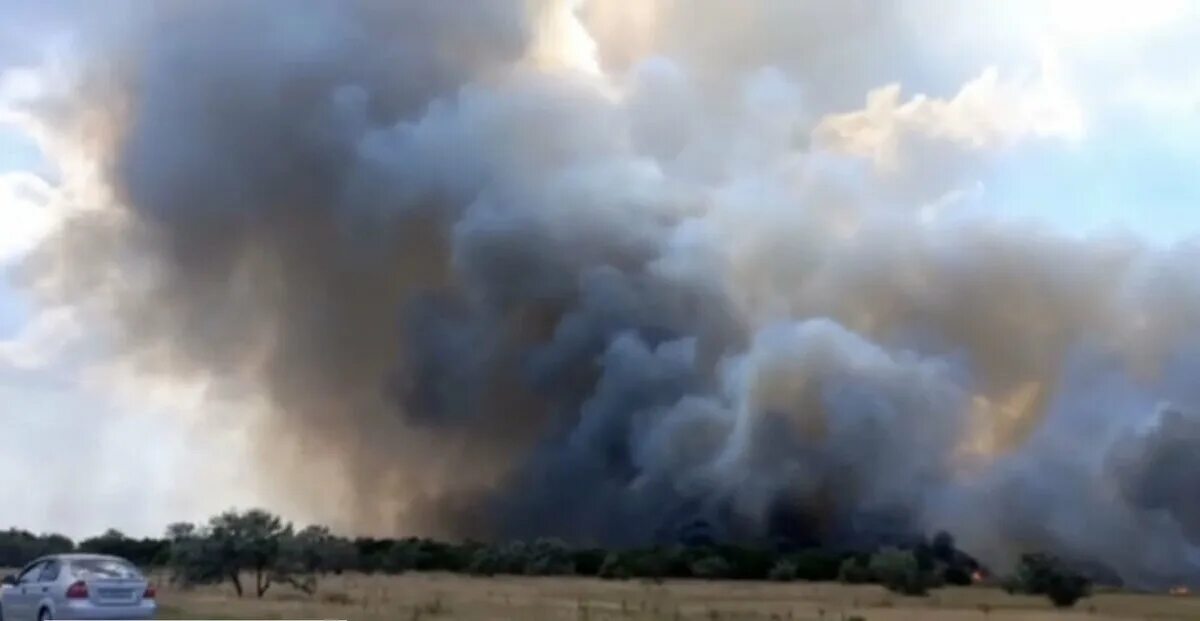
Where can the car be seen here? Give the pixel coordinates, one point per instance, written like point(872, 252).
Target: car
point(77, 586)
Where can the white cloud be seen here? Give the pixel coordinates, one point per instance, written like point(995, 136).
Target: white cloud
point(987, 113)
point(42, 342)
point(28, 212)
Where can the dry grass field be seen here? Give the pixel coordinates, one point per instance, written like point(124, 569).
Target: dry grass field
point(432, 597)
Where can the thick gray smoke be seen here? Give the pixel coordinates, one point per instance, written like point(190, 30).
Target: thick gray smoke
point(503, 270)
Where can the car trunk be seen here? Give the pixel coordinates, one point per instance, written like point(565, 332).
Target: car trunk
point(115, 591)
point(110, 582)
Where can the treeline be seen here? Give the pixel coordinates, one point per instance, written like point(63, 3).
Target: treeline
point(256, 545)
point(19, 547)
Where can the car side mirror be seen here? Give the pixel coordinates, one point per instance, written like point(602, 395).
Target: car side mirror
point(9, 580)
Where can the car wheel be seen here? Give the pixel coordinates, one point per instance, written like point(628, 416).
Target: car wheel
point(44, 615)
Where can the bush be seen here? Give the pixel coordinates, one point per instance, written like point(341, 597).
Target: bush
point(783, 571)
point(614, 567)
point(679, 560)
point(900, 571)
point(652, 563)
point(817, 565)
point(588, 562)
point(485, 562)
point(746, 562)
point(549, 557)
point(854, 570)
point(1065, 590)
point(399, 558)
point(711, 567)
point(957, 576)
point(1042, 574)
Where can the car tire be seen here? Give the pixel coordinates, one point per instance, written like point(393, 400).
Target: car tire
point(44, 615)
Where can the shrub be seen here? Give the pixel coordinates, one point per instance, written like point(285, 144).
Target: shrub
point(783, 571)
point(899, 571)
point(549, 557)
point(614, 567)
point(587, 562)
point(652, 563)
point(399, 558)
point(956, 575)
point(854, 570)
point(1042, 574)
point(679, 560)
point(485, 562)
point(1065, 590)
point(711, 567)
point(817, 565)
point(746, 562)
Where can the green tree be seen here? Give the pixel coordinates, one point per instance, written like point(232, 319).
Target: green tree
point(318, 551)
point(141, 552)
point(854, 570)
point(232, 543)
point(588, 561)
point(1044, 574)
point(817, 565)
point(783, 571)
point(18, 547)
point(615, 567)
point(711, 567)
point(549, 557)
point(900, 571)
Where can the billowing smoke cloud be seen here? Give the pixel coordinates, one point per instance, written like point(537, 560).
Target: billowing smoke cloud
point(503, 268)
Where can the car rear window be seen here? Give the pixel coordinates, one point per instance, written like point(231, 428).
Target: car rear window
point(105, 568)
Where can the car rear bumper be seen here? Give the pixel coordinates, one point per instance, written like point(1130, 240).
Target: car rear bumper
point(88, 611)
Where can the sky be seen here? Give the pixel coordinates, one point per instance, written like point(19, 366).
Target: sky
point(78, 456)
point(75, 458)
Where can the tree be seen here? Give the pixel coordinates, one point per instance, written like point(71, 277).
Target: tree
point(900, 571)
point(711, 567)
point(180, 530)
point(614, 567)
point(817, 565)
point(1043, 574)
point(957, 576)
point(18, 547)
point(194, 558)
point(318, 551)
point(783, 571)
point(232, 543)
point(141, 552)
point(249, 541)
point(854, 570)
point(549, 557)
point(588, 561)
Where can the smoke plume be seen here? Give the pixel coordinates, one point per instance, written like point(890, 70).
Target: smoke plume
point(508, 269)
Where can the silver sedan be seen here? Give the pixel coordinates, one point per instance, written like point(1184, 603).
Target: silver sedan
point(77, 586)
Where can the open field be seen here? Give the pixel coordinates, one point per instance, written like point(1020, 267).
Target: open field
point(450, 597)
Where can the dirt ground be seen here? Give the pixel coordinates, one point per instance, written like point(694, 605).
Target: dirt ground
point(448, 597)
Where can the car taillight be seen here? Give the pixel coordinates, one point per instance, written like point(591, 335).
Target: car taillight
point(150, 592)
point(77, 591)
